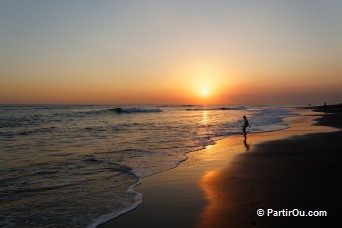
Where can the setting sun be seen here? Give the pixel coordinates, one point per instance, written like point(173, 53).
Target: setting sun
point(205, 92)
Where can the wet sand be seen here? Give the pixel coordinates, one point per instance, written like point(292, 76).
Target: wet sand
point(224, 184)
point(300, 172)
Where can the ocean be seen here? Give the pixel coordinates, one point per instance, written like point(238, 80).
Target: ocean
point(77, 165)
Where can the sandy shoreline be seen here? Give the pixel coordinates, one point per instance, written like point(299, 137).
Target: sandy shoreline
point(298, 172)
point(224, 184)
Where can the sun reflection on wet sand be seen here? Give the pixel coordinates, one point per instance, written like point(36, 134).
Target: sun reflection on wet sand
point(214, 198)
point(224, 189)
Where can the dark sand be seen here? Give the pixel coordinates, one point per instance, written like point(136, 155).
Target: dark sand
point(224, 184)
point(301, 172)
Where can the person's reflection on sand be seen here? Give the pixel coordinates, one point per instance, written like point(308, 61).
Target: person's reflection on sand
point(246, 144)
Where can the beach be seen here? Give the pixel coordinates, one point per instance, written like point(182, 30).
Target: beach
point(225, 184)
point(134, 113)
point(57, 156)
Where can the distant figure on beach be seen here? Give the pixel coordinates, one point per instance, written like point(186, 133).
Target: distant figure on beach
point(325, 105)
point(245, 125)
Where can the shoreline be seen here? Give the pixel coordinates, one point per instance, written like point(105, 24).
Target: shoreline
point(179, 197)
point(298, 172)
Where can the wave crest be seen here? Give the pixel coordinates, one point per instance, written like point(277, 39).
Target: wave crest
point(216, 108)
point(134, 110)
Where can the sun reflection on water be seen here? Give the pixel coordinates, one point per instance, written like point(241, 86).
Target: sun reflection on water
point(205, 118)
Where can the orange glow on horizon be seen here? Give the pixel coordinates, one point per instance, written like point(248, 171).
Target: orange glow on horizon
point(134, 53)
point(209, 87)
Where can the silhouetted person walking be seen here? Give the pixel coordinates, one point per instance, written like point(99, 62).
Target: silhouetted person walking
point(325, 105)
point(245, 125)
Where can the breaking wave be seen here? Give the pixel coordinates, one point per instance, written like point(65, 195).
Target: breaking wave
point(134, 110)
point(216, 108)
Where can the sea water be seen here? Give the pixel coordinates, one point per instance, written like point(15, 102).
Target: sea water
point(76, 166)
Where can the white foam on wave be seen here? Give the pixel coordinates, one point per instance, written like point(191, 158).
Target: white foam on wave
point(135, 110)
point(105, 218)
point(217, 108)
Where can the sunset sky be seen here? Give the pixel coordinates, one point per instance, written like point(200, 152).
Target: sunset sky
point(171, 52)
